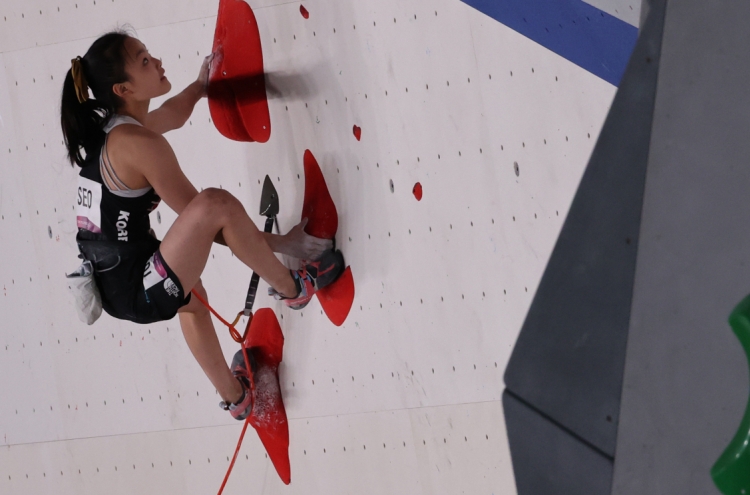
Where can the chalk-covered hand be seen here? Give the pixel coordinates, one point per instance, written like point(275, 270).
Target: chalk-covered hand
point(203, 74)
point(304, 246)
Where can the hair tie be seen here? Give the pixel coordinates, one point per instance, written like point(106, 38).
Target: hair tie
point(82, 89)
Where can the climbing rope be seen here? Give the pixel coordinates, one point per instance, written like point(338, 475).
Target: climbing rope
point(240, 339)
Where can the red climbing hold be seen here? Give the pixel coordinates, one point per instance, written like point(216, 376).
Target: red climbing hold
point(336, 299)
point(417, 190)
point(304, 12)
point(268, 417)
point(323, 222)
point(237, 89)
point(318, 207)
point(357, 132)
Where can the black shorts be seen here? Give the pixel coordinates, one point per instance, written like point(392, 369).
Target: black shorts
point(141, 287)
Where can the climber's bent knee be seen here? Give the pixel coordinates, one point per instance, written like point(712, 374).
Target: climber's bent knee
point(216, 204)
point(195, 306)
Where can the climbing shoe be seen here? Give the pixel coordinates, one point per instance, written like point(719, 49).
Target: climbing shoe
point(242, 408)
point(313, 276)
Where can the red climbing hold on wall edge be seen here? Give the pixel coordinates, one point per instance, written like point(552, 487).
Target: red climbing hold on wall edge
point(417, 190)
point(237, 88)
point(323, 221)
point(304, 12)
point(357, 132)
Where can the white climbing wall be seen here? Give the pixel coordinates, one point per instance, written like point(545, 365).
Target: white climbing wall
point(625, 10)
point(404, 398)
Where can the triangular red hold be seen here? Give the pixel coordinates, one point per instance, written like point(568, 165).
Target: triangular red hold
point(337, 299)
point(323, 222)
point(268, 416)
point(237, 89)
point(318, 207)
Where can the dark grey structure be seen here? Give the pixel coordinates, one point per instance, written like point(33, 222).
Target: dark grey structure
point(566, 369)
point(685, 385)
point(626, 378)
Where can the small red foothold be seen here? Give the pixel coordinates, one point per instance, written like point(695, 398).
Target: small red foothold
point(417, 191)
point(304, 12)
point(357, 132)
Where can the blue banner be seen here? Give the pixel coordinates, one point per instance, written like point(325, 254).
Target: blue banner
point(588, 37)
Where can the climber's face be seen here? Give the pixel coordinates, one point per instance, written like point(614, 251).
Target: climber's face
point(146, 78)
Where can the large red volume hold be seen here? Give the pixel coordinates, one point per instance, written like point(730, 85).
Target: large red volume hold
point(221, 103)
point(237, 89)
point(323, 222)
point(268, 416)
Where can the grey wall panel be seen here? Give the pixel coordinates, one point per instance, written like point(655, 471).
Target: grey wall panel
point(547, 460)
point(569, 357)
point(686, 381)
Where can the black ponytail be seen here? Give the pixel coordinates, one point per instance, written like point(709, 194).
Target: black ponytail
point(103, 66)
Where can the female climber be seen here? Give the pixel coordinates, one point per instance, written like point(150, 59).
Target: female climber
point(127, 168)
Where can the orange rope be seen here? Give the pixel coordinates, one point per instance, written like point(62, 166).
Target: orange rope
point(236, 453)
point(239, 338)
point(232, 330)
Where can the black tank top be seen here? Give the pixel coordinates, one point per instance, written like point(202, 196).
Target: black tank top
point(112, 215)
